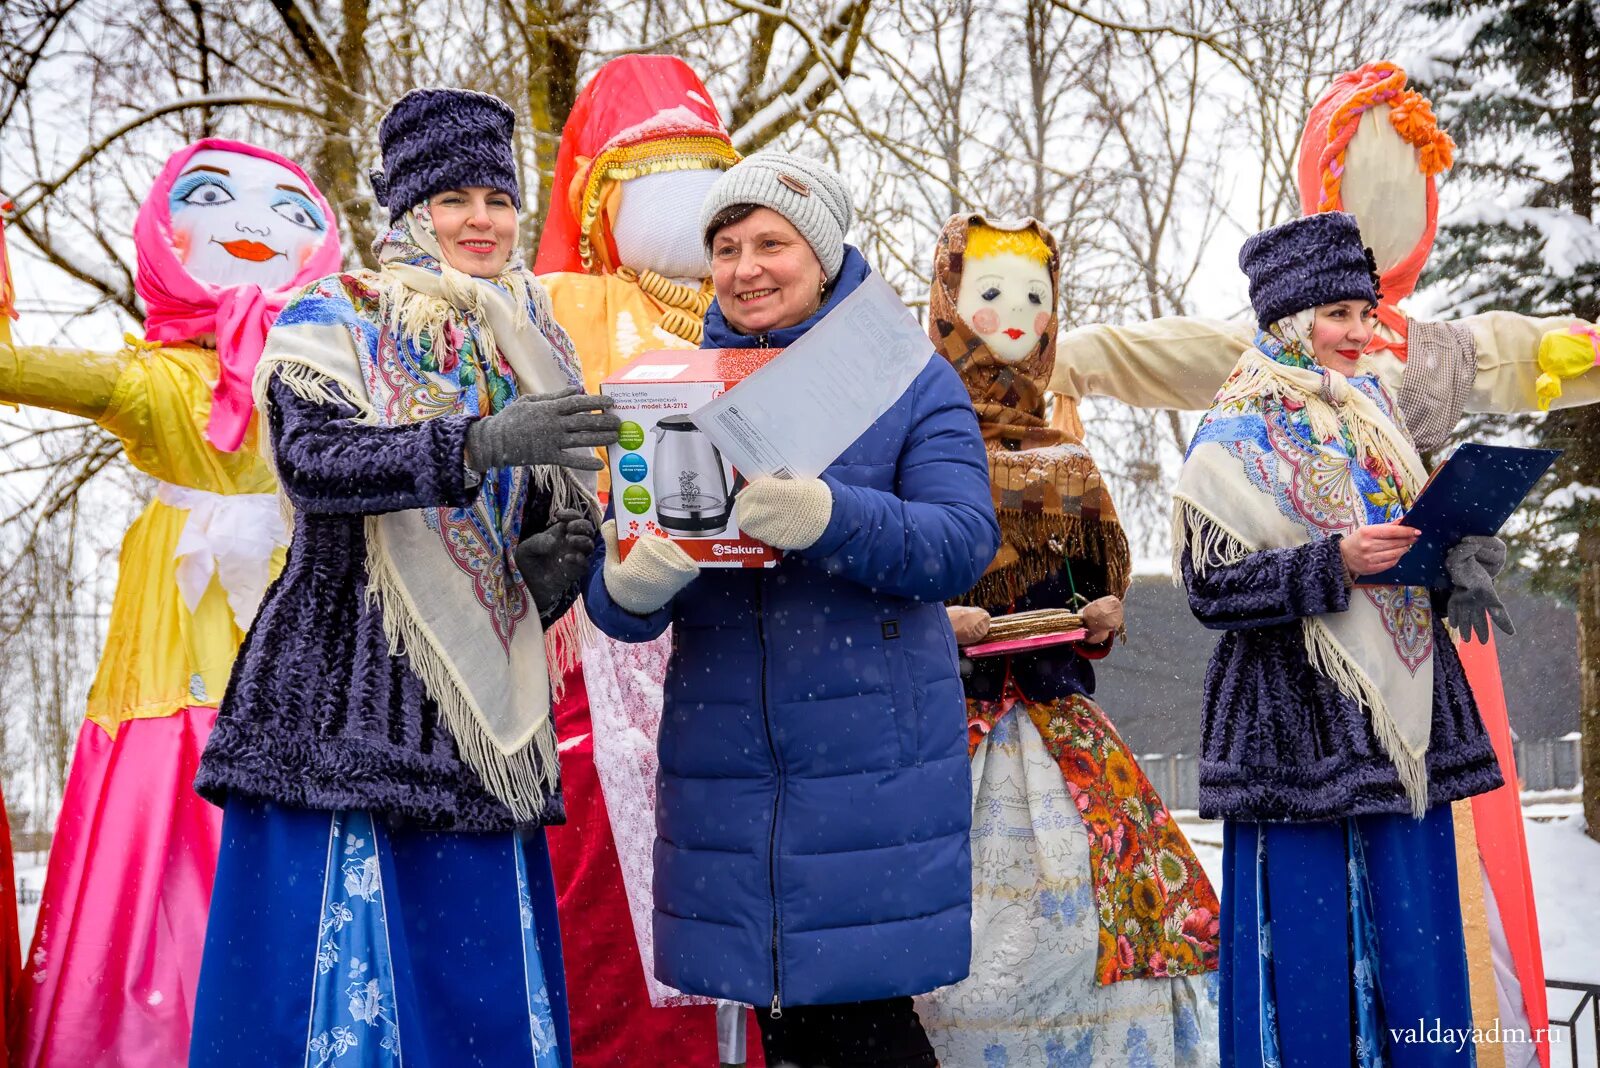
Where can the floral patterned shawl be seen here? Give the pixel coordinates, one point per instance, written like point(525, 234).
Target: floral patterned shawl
point(1292, 452)
point(422, 340)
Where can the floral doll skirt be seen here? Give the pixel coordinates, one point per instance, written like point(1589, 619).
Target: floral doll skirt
point(1094, 928)
point(337, 941)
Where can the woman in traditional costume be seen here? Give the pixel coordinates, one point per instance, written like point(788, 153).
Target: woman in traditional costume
point(385, 755)
point(225, 236)
point(1372, 147)
point(1338, 724)
point(1094, 926)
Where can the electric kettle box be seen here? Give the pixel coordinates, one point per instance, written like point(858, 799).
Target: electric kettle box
point(667, 478)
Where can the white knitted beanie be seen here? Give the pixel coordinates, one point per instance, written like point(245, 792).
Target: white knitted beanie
point(807, 192)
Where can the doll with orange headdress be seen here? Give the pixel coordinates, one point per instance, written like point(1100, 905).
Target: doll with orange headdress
point(622, 259)
point(226, 235)
point(1371, 147)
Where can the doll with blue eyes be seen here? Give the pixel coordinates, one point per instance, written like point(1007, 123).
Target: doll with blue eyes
point(1094, 928)
point(226, 236)
point(240, 219)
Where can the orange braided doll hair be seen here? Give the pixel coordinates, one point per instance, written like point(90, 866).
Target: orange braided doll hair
point(1411, 115)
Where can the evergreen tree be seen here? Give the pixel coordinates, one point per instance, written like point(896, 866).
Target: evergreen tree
point(1518, 94)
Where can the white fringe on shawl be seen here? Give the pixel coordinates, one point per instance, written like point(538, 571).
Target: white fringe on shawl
point(496, 702)
point(1220, 518)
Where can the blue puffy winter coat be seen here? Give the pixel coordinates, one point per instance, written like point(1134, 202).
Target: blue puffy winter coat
point(814, 804)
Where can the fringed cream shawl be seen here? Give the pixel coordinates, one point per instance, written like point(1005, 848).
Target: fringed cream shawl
point(1289, 453)
point(423, 340)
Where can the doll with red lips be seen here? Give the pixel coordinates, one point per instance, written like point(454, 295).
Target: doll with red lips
point(243, 220)
point(1089, 928)
point(225, 236)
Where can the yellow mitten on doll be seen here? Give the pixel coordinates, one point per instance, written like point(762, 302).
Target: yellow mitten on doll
point(1565, 354)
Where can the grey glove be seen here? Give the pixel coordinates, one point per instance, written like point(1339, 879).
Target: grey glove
point(555, 559)
point(1472, 564)
point(548, 428)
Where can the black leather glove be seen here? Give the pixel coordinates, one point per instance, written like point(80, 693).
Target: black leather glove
point(1472, 564)
point(548, 428)
point(556, 559)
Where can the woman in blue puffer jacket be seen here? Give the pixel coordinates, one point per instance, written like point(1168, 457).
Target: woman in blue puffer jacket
point(814, 797)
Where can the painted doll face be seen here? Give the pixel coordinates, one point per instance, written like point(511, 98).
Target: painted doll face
point(1005, 299)
point(1384, 188)
point(242, 220)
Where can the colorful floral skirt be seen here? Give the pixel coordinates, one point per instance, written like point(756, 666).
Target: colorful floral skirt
point(122, 922)
point(1343, 945)
point(337, 941)
point(1093, 924)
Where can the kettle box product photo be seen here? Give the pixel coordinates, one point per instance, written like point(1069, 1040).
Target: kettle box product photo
point(667, 478)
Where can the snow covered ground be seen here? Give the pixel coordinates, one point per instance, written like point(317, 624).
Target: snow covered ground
point(1566, 888)
point(1566, 884)
point(30, 881)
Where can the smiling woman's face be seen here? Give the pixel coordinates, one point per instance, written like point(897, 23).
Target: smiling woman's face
point(766, 275)
point(1339, 334)
point(1005, 299)
point(243, 220)
point(476, 228)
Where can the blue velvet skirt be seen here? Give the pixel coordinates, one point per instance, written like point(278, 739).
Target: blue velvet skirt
point(336, 941)
point(1338, 939)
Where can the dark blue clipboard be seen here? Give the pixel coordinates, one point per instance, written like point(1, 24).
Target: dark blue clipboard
point(1472, 493)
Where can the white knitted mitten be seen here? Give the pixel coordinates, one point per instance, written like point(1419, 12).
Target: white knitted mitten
point(655, 570)
point(786, 513)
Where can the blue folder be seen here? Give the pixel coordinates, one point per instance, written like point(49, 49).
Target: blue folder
point(1473, 492)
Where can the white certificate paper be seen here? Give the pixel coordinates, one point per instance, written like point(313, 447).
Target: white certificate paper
point(796, 415)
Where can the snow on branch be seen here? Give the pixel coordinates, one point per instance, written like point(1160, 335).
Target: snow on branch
point(1569, 240)
point(1435, 58)
point(1572, 495)
point(826, 59)
point(749, 132)
point(302, 22)
point(1210, 40)
point(39, 191)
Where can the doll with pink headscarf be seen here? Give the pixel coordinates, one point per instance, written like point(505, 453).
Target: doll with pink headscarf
point(225, 237)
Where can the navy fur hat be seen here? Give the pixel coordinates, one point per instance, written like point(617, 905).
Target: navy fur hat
point(1314, 260)
point(437, 139)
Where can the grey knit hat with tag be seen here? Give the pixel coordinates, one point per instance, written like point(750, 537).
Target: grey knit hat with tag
point(807, 192)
